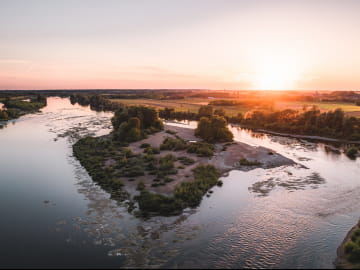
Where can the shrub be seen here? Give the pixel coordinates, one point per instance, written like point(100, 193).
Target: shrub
point(152, 150)
point(145, 145)
point(152, 202)
point(213, 129)
point(166, 163)
point(245, 162)
point(173, 144)
point(349, 247)
point(202, 149)
point(352, 152)
point(141, 186)
point(135, 122)
point(191, 192)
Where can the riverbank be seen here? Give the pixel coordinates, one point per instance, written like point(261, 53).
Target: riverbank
point(342, 261)
point(298, 136)
point(14, 108)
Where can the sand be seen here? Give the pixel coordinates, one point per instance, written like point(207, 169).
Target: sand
point(224, 161)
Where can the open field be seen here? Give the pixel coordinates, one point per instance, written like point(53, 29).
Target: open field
point(348, 108)
point(187, 104)
point(193, 105)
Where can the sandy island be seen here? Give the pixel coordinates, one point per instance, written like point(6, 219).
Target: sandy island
point(223, 160)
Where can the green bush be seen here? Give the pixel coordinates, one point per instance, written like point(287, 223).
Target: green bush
point(173, 144)
point(166, 163)
point(187, 194)
point(133, 123)
point(352, 152)
point(192, 192)
point(245, 162)
point(202, 149)
point(186, 161)
point(213, 129)
point(152, 202)
point(145, 145)
point(152, 150)
point(141, 186)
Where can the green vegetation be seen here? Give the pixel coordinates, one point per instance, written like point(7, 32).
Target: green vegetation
point(145, 145)
point(333, 124)
point(245, 162)
point(175, 144)
point(92, 154)
point(134, 123)
point(166, 166)
point(352, 247)
point(16, 107)
point(202, 149)
point(4, 115)
point(96, 102)
point(187, 194)
point(352, 151)
point(186, 161)
point(212, 128)
point(152, 150)
point(191, 193)
point(26, 106)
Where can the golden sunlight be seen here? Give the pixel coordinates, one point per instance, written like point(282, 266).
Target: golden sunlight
point(276, 73)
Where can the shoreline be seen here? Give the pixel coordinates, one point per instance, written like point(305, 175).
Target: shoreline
point(341, 262)
point(298, 136)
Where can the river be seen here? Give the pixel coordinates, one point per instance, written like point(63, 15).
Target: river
point(54, 215)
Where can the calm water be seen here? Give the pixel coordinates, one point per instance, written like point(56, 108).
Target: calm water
point(53, 215)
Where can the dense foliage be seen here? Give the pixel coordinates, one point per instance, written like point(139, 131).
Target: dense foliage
point(352, 247)
point(174, 144)
point(135, 122)
point(15, 107)
point(310, 122)
point(171, 114)
point(213, 129)
point(201, 149)
point(26, 106)
point(96, 102)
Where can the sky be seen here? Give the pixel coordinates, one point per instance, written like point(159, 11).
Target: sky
point(202, 44)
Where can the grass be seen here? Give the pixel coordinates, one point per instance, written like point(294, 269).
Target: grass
point(193, 105)
point(245, 162)
point(187, 104)
point(349, 108)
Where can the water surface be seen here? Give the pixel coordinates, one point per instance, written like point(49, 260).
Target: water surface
point(53, 214)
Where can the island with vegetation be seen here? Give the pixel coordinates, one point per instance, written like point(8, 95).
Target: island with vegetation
point(16, 106)
point(348, 254)
point(162, 168)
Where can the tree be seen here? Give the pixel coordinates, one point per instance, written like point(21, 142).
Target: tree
point(205, 111)
point(214, 129)
point(220, 112)
point(3, 115)
point(135, 122)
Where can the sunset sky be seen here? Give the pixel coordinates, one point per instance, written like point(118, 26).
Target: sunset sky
point(68, 44)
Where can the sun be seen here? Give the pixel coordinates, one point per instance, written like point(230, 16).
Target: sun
point(276, 73)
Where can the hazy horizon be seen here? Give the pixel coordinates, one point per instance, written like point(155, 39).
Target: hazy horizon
point(252, 45)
